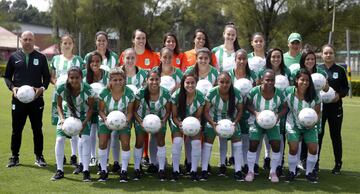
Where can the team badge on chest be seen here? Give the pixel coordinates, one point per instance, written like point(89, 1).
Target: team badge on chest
point(147, 61)
point(36, 62)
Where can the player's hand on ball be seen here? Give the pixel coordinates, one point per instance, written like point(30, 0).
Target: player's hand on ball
point(14, 90)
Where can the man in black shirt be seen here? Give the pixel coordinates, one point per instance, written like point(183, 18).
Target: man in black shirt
point(27, 67)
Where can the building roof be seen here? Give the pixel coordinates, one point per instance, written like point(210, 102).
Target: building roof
point(8, 40)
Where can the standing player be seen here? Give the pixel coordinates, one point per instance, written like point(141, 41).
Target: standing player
point(134, 75)
point(179, 60)
point(294, 44)
point(258, 45)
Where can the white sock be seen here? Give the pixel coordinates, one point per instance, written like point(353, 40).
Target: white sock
point(176, 153)
point(115, 146)
point(85, 142)
point(161, 155)
point(59, 152)
point(205, 158)
point(125, 156)
point(153, 149)
point(292, 160)
point(275, 157)
point(188, 149)
point(103, 158)
point(245, 147)
point(251, 157)
point(74, 144)
point(93, 137)
point(195, 154)
point(223, 149)
point(311, 162)
point(137, 158)
point(237, 147)
point(282, 146)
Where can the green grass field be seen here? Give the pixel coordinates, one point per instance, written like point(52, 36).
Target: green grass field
point(28, 178)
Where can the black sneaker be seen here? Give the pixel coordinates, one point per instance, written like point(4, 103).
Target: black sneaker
point(231, 160)
point(279, 171)
point(152, 169)
point(137, 175)
point(256, 169)
point(290, 177)
point(312, 178)
point(266, 165)
point(337, 168)
point(73, 160)
point(13, 161)
point(193, 176)
point(222, 170)
point(162, 176)
point(175, 176)
point(302, 165)
point(58, 175)
point(145, 161)
point(79, 168)
point(239, 176)
point(64, 161)
point(103, 176)
point(204, 175)
point(86, 176)
point(40, 161)
point(245, 169)
point(124, 177)
point(115, 168)
point(297, 171)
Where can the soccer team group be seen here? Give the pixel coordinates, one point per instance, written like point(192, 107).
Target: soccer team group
point(221, 66)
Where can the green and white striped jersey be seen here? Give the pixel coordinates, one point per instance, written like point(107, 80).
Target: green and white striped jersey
point(61, 65)
point(79, 101)
point(155, 107)
point(295, 106)
point(111, 62)
point(211, 76)
point(121, 105)
point(104, 78)
point(219, 107)
point(177, 74)
point(138, 79)
point(252, 77)
point(191, 109)
point(226, 61)
point(260, 103)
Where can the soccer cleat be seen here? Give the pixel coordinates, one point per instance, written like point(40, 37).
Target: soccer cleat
point(152, 169)
point(239, 176)
point(145, 161)
point(266, 165)
point(58, 175)
point(79, 168)
point(273, 177)
point(337, 168)
point(124, 177)
point(93, 162)
point(73, 160)
point(103, 176)
point(256, 169)
point(279, 171)
point(115, 168)
point(290, 177)
point(13, 161)
point(40, 161)
point(86, 176)
point(231, 161)
point(312, 177)
point(222, 170)
point(161, 175)
point(137, 175)
point(175, 176)
point(193, 176)
point(249, 177)
point(302, 165)
point(204, 175)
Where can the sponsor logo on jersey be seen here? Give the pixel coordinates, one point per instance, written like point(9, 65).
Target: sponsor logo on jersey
point(147, 61)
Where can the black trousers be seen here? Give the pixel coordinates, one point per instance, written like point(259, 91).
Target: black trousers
point(20, 112)
point(333, 113)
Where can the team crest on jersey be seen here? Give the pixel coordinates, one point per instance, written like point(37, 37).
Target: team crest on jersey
point(147, 61)
point(36, 62)
point(178, 61)
point(335, 75)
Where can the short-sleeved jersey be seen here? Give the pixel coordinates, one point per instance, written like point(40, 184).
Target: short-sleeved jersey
point(138, 79)
point(80, 101)
point(121, 105)
point(146, 61)
point(199, 100)
point(219, 108)
point(260, 103)
point(154, 107)
point(252, 76)
point(211, 76)
point(225, 60)
point(178, 61)
point(61, 65)
point(289, 60)
point(111, 62)
point(191, 58)
point(295, 106)
point(176, 75)
point(104, 78)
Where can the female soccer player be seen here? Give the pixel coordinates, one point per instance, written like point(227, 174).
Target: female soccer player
point(298, 97)
point(223, 102)
point(265, 97)
point(258, 45)
point(225, 53)
point(152, 99)
point(117, 96)
point(186, 101)
point(74, 99)
point(59, 67)
point(179, 60)
point(134, 75)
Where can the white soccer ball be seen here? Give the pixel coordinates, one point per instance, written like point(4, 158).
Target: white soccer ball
point(256, 63)
point(204, 86)
point(281, 82)
point(97, 88)
point(25, 94)
point(308, 117)
point(225, 128)
point(116, 120)
point(152, 123)
point(294, 67)
point(329, 96)
point(105, 68)
point(319, 81)
point(266, 119)
point(72, 126)
point(191, 126)
point(167, 82)
point(133, 88)
point(243, 85)
point(61, 80)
